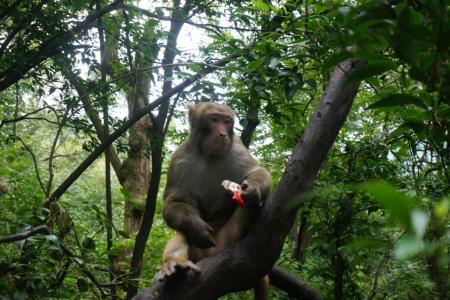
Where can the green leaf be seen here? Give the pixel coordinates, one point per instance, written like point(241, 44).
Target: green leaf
point(82, 285)
point(123, 234)
point(417, 127)
point(52, 238)
point(406, 48)
point(407, 247)
point(126, 193)
point(365, 243)
point(196, 68)
point(312, 83)
point(89, 243)
point(20, 295)
point(274, 61)
point(254, 65)
point(400, 130)
point(370, 69)
point(419, 220)
point(398, 99)
point(261, 6)
point(441, 209)
point(398, 205)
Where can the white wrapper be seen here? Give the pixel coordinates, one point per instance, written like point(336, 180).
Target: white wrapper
point(231, 186)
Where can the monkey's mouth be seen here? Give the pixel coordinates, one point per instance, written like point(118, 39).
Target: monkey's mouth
point(220, 141)
point(220, 144)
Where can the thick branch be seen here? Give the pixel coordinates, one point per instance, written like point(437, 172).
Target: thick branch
point(292, 285)
point(119, 131)
point(25, 234)
point(253, 257)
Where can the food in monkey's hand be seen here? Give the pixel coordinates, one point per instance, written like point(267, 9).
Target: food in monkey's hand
point(236, 190)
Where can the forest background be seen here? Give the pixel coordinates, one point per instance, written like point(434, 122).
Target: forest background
point(81, 80)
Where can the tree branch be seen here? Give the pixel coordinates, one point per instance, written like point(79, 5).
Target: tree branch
point(25, 234)
point(292, 285)
point(3, 122)
point(33, 156)
point(252, 258)
point(76, 82)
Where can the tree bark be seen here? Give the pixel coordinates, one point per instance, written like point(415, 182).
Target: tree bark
point(136, 167)
point(302, 238)
point(237, 267)
point(292, 285)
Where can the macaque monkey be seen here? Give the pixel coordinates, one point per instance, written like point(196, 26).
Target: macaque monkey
point(196, 205)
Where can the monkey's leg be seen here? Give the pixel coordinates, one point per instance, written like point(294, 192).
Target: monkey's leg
point(262, 289)
point(176, 257)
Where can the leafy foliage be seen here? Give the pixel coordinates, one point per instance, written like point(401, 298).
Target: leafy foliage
point(376, 224)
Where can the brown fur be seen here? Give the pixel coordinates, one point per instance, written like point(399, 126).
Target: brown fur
point(195, 203)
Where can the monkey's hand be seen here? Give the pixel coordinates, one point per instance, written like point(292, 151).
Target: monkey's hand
point(250, 192)
point(173, 266)
point(199, 234)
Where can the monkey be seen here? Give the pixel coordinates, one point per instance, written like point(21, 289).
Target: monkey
point(196, 205)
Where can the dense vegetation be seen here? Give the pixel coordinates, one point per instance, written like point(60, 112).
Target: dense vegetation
point(77, 75)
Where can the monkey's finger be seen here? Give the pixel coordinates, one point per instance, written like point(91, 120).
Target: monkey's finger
point(209, 228)
point(161, 275)
point(171, 268)
point(193, 267)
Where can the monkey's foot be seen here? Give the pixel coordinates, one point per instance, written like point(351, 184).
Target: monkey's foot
point(172, 267)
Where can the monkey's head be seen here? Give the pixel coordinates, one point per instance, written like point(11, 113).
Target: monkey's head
point(211, 128)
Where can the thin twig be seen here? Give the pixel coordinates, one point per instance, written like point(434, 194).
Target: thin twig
point(84, 269)
point(34, 160)
point(383, 260)
point(3, 122)
point(170, 115)
point(52, 152)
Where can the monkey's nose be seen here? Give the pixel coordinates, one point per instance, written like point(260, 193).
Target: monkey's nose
point(222, 134)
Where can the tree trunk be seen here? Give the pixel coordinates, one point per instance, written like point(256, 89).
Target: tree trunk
point(136, 168)
point(437, 269)
point(302, 239)
point(157, 135)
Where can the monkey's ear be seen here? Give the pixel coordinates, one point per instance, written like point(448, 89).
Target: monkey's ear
point(191, 108)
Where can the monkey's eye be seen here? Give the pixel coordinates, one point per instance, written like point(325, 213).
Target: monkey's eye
point(214, 119)
point(226, 121)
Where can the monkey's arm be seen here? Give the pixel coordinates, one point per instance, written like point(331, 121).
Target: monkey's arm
point(186, 219)
point(256, 185)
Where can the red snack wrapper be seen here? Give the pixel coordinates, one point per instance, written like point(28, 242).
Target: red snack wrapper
point(236, 190)
point(237, 198)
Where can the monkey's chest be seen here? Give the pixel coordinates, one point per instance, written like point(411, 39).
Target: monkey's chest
point(213, 201)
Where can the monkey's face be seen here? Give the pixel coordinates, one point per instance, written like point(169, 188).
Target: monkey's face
point(218, 133)
point(212, 126)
